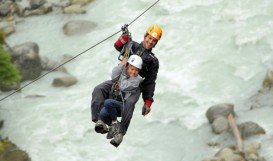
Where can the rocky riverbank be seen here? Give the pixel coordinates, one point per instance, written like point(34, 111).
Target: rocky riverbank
point(9, 151)
point(221, 123)
point(26, 56)
point(218, 117)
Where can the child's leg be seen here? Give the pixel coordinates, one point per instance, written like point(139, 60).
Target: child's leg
point(105, 116)
point(99, 94)
point(114, 108)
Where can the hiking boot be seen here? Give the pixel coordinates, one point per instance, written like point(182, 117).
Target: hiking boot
point(117, 140)
point(113, 130)
point(101, 127)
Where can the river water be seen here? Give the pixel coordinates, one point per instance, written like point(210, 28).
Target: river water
point(214, 51)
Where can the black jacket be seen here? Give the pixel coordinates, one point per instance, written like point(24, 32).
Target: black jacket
point(149, 69)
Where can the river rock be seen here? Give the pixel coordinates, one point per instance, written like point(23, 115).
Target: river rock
point(48, 65)
point(214, 159)
point(1, 124)
point(220, 125)
point(5, 8)
point(66, 57)
point(252, 148)
point(26, 58)
point(9, 8)
point(10, 152)
point(39, 11)
point(78, 27)
point(268, 80)
point(74, 9)
point(64, 81)
point(249, 129)
point(81, 2)
point(213, 143)
point(228, 154)
point(251, 152)
point(9, 30)
point(7, 27)
point(35, 96)
point(35, 4)
point(62, 4)
point(219, 110)
point(9, 87)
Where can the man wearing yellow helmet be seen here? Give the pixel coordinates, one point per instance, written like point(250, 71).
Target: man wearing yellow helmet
point(148, 71)
point(152, 36)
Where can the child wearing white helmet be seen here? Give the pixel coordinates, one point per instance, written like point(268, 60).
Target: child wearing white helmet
point(127, 81)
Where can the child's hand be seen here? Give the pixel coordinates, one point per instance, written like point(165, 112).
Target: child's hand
point(116, 86)
point(124, 60)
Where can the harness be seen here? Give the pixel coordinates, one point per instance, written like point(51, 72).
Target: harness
point(115, 93)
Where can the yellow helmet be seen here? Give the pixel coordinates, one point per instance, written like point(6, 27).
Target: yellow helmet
point(155, 31)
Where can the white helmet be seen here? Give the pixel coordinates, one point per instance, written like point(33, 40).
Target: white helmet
point(135, 61)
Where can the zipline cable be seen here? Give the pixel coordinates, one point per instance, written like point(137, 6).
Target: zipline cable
point(41, 76)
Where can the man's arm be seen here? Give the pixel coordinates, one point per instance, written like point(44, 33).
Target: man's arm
point(149, 82)
point(149, 87)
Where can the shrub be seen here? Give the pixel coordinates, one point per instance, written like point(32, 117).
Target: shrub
point(8, 72)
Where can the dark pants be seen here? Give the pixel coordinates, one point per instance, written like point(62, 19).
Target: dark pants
point(110, 111)
point(101, 93)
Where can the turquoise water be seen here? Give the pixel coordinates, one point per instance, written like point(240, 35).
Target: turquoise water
point(211, 52)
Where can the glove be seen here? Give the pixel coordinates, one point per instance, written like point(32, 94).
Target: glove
point(146, 107)
point(123, 39)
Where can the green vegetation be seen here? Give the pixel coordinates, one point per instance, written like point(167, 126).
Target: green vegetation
point(8, 72)
point(4, 145)
point(2, 36)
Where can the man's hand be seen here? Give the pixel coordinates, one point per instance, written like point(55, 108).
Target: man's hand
point(146, 107)
point(123, 39)
point(145, 110)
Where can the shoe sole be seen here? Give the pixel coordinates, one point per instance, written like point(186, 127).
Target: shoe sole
point(114, 143)
point(99, 129)
point(109, 137)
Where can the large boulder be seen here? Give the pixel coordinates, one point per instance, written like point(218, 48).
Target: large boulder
point(74, 9)
point(249, 129)
point(38, 11)
point(7, 27)
point(35, 4)
point(251, 152)
point(49, 65)
point(64, 81)
point(81, 2)
point(10, 152)
point(220, 125)
point(78, 27)
point(26, 58)
point(252, 148)
point(5, 8)
point(219, 110)
point(228, 154)
point(9, 87)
